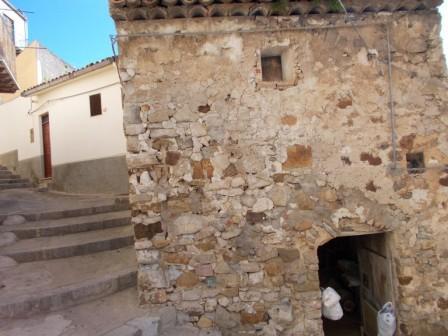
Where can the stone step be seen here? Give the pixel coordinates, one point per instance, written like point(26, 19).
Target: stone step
point(76, 244)
point(64, 226)
point(12, 180)
point(45, 286)
point(120, 204)
point(5, 186)
point(8, 174)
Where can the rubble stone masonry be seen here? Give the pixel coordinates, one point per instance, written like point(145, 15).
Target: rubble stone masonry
point(235, 181)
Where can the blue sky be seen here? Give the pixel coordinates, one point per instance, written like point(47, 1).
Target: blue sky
point(78, 30)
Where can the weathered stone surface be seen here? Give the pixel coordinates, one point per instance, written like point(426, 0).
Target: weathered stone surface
point(298, 156)
point(141, 160)
point(277, 169)
point(255, 217)
point(163, 133)
point(230, 171)
point(143, 231)
point(172, 158)
point(222, 268)
point(135, 129)
point(371, 159)
point(7, 238)
point(249, 267)
point(14, 220)
point(253, 318)
point(151, 277)
point(187, 280)
point(262, 204)
point(204, 270)
point(226, 320)
point(305, 202)
point(288, 254)
point(279, 195)
point(158, 296)
point(198, 130)
point(289, 120)
point(187, 224)
point(232, 233)
point(159, 116)
point(274, 267)
point(300, 220)
point(282, 313)
point(148, 325)
point(148, 257)
point(176, 258)
point(6, 262)
point(205, 323)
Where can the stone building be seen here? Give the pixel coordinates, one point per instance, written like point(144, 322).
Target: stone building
point(277, 147)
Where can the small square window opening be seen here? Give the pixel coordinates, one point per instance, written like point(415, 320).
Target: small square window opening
point(415, 162)
point(271, 68)
point(95, 105)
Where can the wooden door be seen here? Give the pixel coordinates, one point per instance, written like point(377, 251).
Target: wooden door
point(48, 172)
point(376, 279)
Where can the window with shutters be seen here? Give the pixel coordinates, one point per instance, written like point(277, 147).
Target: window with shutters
point(95, 105)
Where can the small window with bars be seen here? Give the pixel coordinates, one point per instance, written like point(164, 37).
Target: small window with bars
point(95, 105)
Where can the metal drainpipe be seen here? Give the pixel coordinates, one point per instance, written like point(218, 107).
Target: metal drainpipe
point(391, 102)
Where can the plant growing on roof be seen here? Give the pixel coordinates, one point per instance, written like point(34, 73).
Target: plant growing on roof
point(281, 6)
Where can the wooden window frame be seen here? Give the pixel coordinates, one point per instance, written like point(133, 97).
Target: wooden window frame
point(96, 108)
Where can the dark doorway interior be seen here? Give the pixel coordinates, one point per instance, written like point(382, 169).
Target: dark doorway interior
point(338, 268)
point(359, 269)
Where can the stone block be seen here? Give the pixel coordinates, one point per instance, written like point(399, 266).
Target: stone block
point(151, 276)
point(14, 220)
point(187, 280)
point(149, 325)
point(288, 254)
point(148, 257)
point(187, 224)
point(7, 238)
point(298, 156)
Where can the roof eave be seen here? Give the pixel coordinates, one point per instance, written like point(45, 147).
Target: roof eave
point(67, 77)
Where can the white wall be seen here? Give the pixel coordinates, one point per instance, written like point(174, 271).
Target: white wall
point(75, 135)
point(14, 128)
point(20, 24)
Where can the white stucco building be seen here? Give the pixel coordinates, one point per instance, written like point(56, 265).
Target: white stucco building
point(69, 130)
point(18, 23)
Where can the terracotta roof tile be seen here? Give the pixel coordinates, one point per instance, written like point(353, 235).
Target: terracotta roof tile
point(128, 10)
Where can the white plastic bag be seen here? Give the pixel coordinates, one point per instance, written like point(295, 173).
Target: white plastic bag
point(386, 320)
point(331, 308)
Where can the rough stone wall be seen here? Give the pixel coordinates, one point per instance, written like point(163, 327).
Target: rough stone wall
point(235, 182)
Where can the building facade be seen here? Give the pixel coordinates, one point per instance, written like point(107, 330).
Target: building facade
point(13, 38)
point(269, 143)
point(69, 132)
point(35, 65)
point(17, 24)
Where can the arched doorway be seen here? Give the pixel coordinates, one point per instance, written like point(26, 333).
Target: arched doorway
point(359, 269)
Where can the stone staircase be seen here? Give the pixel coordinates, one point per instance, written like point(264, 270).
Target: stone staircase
point(65, 257)
point(10, 181)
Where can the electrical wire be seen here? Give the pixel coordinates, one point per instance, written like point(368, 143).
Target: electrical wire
point(31, 111)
